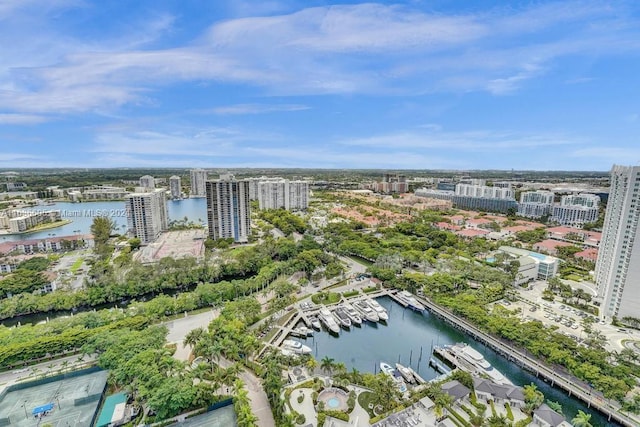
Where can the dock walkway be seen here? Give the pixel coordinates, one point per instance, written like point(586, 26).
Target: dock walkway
point(565, 381)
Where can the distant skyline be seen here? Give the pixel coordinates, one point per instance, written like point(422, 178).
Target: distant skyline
point(441, 84)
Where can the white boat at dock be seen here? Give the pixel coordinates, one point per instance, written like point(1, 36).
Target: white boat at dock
point(367, 312)
point(466, 358)
point(342, 318)
point(417, 376)
point(395, 376)
point(302, 331)
point(295, 347)
point(353, 314)
point(328, 321)
point(380, 310)
point(406, 373)
point(408, 300)
point(315, 323)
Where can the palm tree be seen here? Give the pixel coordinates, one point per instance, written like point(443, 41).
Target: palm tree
point(327, 364)
point(582, 419)
point(193, 336)
point(311, 364)
point(498, 421)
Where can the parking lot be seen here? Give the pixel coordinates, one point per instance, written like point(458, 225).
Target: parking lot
point(568, 320)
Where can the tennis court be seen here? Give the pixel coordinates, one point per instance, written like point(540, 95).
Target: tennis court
point(221, 417)
point(69, 400)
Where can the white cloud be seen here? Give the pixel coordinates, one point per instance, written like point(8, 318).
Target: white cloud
point(610, 154)
point(480, 140)
point(363, 48)
point(257, 108)
point(21, 119)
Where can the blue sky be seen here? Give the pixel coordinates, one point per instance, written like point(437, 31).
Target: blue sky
point(395, 85)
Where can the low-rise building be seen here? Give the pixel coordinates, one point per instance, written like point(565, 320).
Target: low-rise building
point(488, 390)
point(547, 266)
point(50, 244)
point(550, 246)
point(544, 416)
point(103, 192)
point(575, 235)
point(589, 254)
point(20, 220)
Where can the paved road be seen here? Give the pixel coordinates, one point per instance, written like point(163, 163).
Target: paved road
point(179, 328)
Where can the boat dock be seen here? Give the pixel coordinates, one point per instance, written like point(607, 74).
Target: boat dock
point(303, 315)
point(439, 366)
point(562, 380)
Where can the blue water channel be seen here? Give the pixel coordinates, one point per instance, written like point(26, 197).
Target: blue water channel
point(82, 214)
point(408, 338)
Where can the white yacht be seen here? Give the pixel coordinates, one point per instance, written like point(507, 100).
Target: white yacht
point(367, 312)
point(295, 347)
point(468, 359)
point(353, 314)
point(382, 312)
point(315, 323)
point(395, 375)
point(302, 331)
point(327, 319)
point(341, 316)
point(409, 300)
point(406, 373)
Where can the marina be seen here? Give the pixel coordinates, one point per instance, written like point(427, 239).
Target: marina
point(409, 337)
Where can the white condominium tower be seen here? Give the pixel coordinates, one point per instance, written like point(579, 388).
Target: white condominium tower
point(175, 186)
point(484, 191)
point(576, 209)
point(618, 264)
point(198, 180)
point(147, 215)
point(283, 194)
point(228, 210)
point(148, 182)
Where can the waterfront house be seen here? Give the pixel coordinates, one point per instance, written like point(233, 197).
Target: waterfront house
point(488, 390)
point(456, 390)
point(544, 416)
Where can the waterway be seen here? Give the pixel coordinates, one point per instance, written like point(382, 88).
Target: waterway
point(408, 338)
point(82, 215)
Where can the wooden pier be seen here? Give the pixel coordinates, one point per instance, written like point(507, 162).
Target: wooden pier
point(608, 407)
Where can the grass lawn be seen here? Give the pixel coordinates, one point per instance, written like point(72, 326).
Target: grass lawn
point(364, 399)
point(49, 225)
point(76, 265)
point(359, 260)
point(326, 298)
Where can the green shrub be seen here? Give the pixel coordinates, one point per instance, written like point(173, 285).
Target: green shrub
point(458, 417)
point(343, 416)
point(509, 413)
point(301, 419)
point(524, 423)
point(350, 294)
point(321, 418)
point(301, 398)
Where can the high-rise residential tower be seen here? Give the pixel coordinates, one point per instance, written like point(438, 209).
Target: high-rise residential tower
point(198, 180)
point(147, 215)
point(618, 265)
point(228, 210)
point(283, 194)
point(148, 182)
point(175, 186)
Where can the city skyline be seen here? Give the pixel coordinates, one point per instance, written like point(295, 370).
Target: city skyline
point(403, 85)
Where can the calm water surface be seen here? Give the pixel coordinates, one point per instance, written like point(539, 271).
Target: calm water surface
point(82, 214)
point(408, 338)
